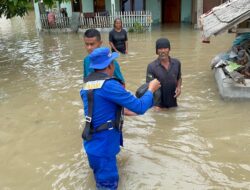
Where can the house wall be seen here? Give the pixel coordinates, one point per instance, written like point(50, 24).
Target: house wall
point(155, 8)
point(37, 15)
point(108, 5)
point(186, 11)
point(117, 5)
point(87, 6)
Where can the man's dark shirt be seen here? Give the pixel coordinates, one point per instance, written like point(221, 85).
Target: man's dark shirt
point(118, 39)
point(168, 79)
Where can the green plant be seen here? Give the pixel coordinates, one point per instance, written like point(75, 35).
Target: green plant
point(131, 29)
point(137, 27)
point(30, 6)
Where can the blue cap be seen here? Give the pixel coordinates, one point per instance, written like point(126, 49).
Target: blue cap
point(100, 58)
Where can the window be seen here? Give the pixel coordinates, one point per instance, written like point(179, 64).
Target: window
point(132, 5)
point(139, 5)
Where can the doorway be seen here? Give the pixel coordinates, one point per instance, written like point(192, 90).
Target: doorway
point(99, 6)
point(76, 5)
point(171, 11)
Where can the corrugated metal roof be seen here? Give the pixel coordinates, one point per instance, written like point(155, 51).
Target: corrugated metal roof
point(224, 17)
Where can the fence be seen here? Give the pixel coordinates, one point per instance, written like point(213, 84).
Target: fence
point(100, 20)
point(129, 18)
point(60, 21)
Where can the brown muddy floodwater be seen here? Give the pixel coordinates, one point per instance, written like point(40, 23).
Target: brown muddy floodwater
point(203, 144)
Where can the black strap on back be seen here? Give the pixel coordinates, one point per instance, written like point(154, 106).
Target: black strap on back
point(119, 119)
point(89, 130)
point(106, 126)
point(86, 134)
point(118, 123)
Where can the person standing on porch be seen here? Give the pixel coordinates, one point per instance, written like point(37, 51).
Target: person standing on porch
point(52, 19)
point(118, 39)
point(168, 71)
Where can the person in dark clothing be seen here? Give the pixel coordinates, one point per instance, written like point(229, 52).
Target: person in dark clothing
point(118, 39)
point(64, 12)
point(168, 71)
point(65, 19)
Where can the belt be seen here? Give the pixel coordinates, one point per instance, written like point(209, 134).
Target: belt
point(106, 126)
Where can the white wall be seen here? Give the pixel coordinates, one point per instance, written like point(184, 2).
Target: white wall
point(37, 15)
point(186, 11)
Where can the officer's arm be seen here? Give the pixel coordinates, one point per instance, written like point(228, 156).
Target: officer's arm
point(113, 91)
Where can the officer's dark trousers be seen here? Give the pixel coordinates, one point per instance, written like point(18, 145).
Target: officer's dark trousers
point(105, 172)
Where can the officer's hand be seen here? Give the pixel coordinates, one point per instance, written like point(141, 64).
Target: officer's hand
point(154, 85)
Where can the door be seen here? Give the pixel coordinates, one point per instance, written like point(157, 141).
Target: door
point(76, 5)
point(99, 5)
point(171, 11)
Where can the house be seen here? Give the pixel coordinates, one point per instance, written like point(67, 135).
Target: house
point(157, 11)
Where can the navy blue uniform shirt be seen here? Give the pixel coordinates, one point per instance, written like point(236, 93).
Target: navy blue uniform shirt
point(106, 101)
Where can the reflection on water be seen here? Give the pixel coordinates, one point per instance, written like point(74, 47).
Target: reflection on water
point(203, 144)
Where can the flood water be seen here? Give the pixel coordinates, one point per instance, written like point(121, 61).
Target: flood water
point(203, 144)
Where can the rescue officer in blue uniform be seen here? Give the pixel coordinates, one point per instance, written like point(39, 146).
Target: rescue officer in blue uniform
point(104, 97)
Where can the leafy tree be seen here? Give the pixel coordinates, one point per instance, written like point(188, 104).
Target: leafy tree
point(12, 8)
